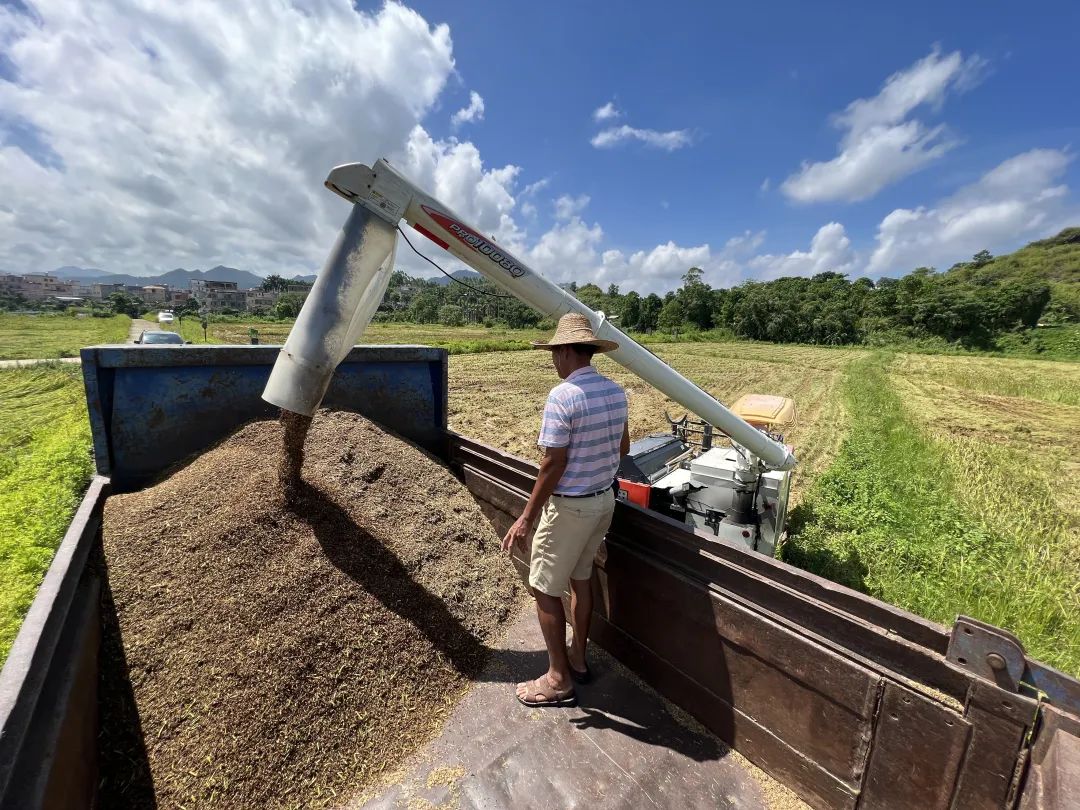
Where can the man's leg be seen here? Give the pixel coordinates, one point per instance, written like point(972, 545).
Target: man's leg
point(549, 609)
point(581, 602)
point(581, 596)
point(556, 545)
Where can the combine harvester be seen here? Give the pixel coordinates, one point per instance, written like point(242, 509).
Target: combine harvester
point(848, 701)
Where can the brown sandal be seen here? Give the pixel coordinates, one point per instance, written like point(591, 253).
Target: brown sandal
point(545, 696)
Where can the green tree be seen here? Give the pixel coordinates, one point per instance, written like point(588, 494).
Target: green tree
point(982, 258)
point(591, 296)
point(287, 306)
point(695, 296)
point(518, 315)
point(451, 315)
point(672, 316)
point(630, 313)
point(275, 283)
point(123, 304)
point(650, 312)
point(424, 306)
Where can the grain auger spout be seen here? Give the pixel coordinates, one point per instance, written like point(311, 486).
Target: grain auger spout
point(354, 278)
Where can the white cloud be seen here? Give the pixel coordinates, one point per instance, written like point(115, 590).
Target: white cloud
point(192, 133)
point(661, 268)
point(474, 112)
point(166, 136)
point(744, 244)
point(568, 252)
point(534, 188)
point(668, 141)
point(830, 250)
point(765, 185)
point(880, 145)
point(608, 112)
point(453, 172)
point(573, 251)
point(1019, 198)
point(567, 206)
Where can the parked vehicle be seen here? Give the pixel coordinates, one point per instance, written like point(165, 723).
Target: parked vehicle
point(165, 316)
point(160, 337)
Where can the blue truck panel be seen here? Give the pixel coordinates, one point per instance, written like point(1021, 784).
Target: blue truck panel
point(153, 407)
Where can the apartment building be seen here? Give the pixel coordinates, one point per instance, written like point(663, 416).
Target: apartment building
point(260, 299)
point(218, 295)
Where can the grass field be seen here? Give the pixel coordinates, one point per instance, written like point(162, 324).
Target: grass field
point(47, 336)
point(456, 339)
point(945, 500)
point(44, 466)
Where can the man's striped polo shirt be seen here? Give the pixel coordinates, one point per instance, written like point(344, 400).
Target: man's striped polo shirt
point(586, 413)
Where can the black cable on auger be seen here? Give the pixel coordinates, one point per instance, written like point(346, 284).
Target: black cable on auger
point(456, 280)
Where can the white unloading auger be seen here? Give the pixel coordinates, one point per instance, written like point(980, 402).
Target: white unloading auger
point(352, 283)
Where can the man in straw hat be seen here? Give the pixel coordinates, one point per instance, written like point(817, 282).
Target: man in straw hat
point(584, 433)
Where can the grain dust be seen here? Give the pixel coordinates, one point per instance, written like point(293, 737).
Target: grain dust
point(294, 431)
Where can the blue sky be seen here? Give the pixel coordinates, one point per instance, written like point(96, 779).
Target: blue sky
point(753, 140)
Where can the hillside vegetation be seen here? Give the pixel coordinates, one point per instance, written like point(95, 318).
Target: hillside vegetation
point(990, 303)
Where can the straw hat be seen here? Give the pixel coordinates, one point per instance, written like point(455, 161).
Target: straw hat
point(575, 328)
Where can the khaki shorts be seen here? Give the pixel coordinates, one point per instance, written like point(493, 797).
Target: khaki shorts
point(566, 540)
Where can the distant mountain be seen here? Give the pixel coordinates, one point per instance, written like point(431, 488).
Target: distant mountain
point(178, 278)
point(82, 273)
point(460, 275)
point(304, 279)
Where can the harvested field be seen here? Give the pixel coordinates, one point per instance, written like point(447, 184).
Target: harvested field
point(498, 397)
point(266, 655)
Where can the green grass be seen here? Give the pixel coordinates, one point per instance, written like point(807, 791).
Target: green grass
point(455, 339)
point(48, 336)
point(1055, 383)
point(44, 467)
point(898, 516)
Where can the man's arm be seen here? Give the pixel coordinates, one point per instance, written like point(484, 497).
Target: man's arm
point(551, 470)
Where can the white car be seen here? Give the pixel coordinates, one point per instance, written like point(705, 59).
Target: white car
point(165, 316)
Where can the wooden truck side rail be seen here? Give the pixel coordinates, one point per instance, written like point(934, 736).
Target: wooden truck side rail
point(847, 700)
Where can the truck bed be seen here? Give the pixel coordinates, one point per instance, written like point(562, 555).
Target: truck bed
point(622, 746)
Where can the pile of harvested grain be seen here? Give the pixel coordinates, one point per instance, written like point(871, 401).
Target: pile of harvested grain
point(285, 654)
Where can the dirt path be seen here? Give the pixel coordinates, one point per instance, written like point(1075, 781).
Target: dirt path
point(137, 327)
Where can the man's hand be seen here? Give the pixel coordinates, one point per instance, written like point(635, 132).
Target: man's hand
point(518, 534)
point(552, 466)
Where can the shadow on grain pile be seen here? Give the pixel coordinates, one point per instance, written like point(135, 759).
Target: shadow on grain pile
point(273, 652)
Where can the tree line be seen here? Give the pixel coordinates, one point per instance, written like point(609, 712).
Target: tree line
point(827, 309)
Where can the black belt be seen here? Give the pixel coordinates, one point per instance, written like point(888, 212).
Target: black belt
point(614, 485)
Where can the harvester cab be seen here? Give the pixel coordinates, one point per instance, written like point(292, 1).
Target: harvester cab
point(737, 492)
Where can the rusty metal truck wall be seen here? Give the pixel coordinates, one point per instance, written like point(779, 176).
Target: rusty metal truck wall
point(152, 407)
point(847, 700)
